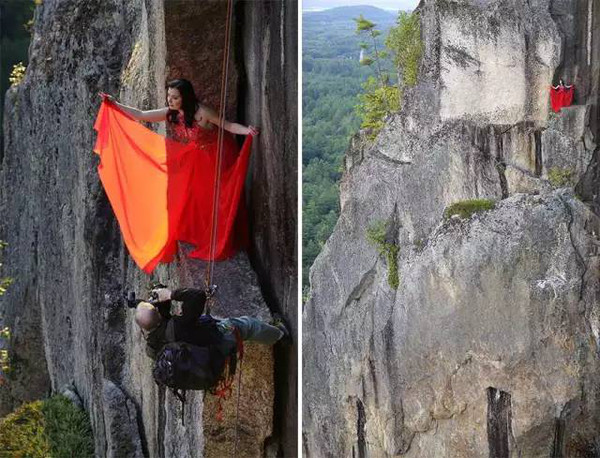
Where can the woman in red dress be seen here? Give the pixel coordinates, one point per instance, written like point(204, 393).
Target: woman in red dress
point(191, 176)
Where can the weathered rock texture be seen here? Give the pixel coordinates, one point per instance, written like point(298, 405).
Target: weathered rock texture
point(271, 68)
point(490, 345)
point(193, 29)
point(65, 250)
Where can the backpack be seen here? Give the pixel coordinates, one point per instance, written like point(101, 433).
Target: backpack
point(182, 366)
point(186, 366)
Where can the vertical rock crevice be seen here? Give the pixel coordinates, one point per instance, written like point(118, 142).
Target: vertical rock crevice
point(558, 442)
point(499, 418)
point(268, 52)
point(501, 167)
point(539, 160)
point(361, 421)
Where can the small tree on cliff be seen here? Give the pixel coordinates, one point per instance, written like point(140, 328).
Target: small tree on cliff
point(366, 27)
point(404, 41)
point(380, 98)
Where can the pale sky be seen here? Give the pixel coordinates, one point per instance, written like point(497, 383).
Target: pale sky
point(394, 5)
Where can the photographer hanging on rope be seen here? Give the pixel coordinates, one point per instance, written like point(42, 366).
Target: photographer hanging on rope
point(192, 350)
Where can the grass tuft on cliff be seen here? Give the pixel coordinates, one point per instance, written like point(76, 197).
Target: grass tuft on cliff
point(53, 428)
point(466, 208)
point(377, 236)
point(68, 428)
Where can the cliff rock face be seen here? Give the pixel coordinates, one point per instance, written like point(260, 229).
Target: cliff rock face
point(268, 43)
point(65, 250)
point(490, 344)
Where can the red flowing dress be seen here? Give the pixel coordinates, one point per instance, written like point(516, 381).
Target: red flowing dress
point(561, 96)
point(161, 189)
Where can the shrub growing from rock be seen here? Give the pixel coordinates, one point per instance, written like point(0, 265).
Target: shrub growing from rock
point(405, 42)
point(22, 432)
point(53, 428)
point(17, 74)
point(380, 98)
point(560, 177)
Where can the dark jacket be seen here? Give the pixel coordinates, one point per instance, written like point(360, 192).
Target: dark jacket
point(184, 325)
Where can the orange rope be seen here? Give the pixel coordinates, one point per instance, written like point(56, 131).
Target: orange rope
point(217, 185)
point(224, 388)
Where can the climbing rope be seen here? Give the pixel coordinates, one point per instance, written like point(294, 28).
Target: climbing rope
point(217, 182)
point(209, 275)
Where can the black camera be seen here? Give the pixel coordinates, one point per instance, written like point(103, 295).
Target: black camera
point(132, 302)
point(130, 299)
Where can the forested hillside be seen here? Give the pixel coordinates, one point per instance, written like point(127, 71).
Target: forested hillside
point(332, 77)
point(16, 19)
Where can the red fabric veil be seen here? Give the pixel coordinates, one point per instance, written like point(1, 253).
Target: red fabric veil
point(162, 190)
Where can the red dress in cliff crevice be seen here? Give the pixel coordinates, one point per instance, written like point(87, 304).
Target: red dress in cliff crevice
point(161, 189)
point(561, 96)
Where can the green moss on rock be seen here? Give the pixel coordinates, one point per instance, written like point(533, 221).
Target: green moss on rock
point(466, 208)
point(560, 177)
point(377, 236)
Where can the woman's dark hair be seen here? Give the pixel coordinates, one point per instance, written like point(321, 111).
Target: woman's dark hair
point(189, 102)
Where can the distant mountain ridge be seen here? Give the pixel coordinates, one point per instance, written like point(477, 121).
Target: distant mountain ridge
point(347, 13)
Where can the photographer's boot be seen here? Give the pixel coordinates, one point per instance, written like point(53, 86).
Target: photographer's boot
point(280, 324)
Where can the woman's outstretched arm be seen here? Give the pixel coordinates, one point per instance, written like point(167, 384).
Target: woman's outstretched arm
point(232, 127)
point(157, 115)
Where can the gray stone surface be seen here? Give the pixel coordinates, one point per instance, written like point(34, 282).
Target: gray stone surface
point(482, 305)
point(564, 142)
point(120, 417)
point(495, 60)
point(506, 300)
point(70, 393)
point(65, 250)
